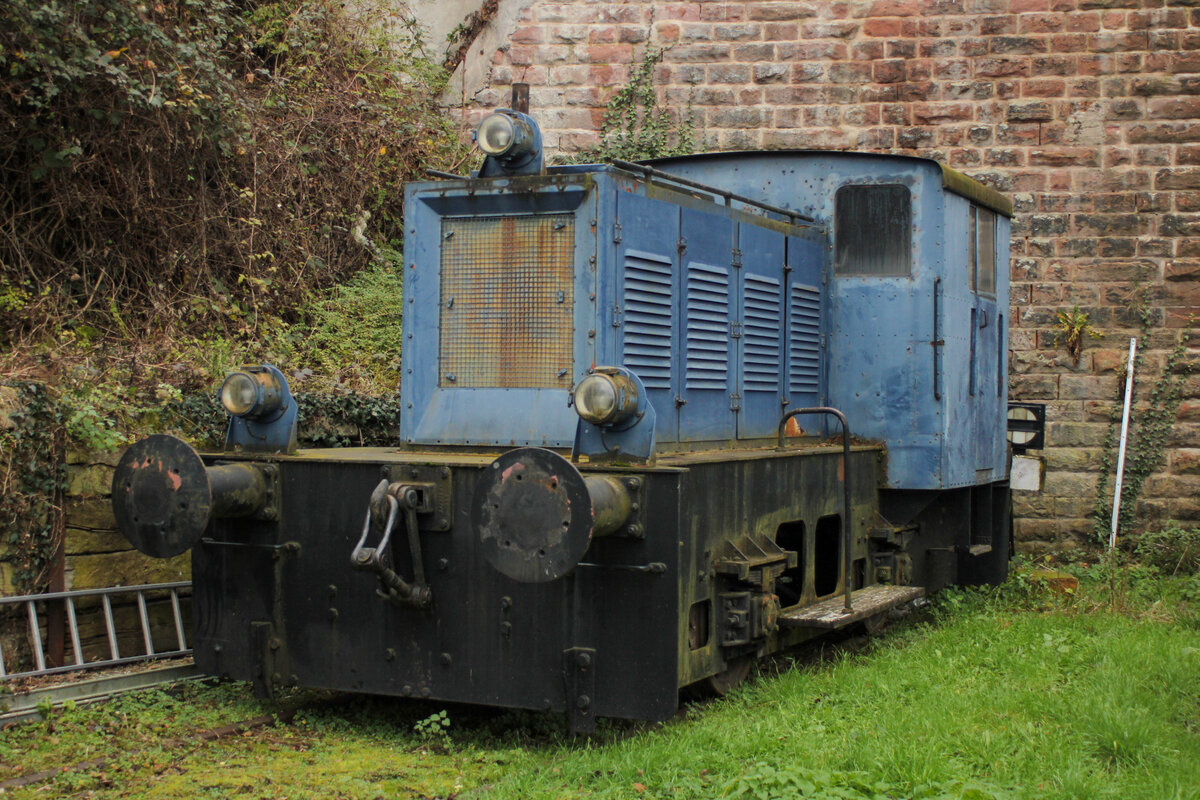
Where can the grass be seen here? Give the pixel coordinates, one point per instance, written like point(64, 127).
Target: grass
point(1010, 693)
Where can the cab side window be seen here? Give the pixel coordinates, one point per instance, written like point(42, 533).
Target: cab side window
point(872, 231)
point(982, 259)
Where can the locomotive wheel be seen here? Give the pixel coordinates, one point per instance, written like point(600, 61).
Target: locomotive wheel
point(724, 682)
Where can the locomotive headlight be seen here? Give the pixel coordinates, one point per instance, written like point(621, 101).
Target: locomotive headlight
point(606, 397)
point(496, 134)
point(252, 392)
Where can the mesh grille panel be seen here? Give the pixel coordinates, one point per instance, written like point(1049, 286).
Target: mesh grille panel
point(707, 327)
point(507, 302)
point(762, 333)
point(647, 349)
point(804, 354)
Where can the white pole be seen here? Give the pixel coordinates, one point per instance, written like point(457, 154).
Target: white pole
point(1116, 513)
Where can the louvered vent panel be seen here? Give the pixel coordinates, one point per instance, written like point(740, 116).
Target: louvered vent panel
point(762, 333)
point(707, 327)
point(647, 301)
point(804, 353)
point(507, 302)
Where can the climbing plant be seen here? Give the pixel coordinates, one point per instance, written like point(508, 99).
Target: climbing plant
point(635, 126)
point(34, 478)
point(1148, 430)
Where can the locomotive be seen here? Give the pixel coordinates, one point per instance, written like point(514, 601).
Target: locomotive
point(658, 420)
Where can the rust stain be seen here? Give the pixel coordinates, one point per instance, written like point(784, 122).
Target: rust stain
point(175, 479)
point(792, 428)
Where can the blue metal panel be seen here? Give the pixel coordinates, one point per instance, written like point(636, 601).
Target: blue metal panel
point(707, 355)
point(645, 235)
point(763, 335)
point(806, 323)
point(880, 360)
point(445, 414)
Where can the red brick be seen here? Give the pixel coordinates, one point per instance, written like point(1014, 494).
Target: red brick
point(1174, 108)
point(775, 12)
point(1041, 23)
point(1046, 87)
point(780, 31)
point(889, 71)
point(889, 8)
point(936, 113)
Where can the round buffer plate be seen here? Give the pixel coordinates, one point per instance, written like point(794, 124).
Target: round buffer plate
point(533, 515)
point(161, 496)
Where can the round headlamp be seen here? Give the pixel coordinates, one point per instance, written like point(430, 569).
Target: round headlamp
point(251, 393)
point(606, 398)
point(596, 398)
point(497, 134)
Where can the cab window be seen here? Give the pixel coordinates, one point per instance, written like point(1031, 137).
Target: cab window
point(873, 231)
point(981, 263)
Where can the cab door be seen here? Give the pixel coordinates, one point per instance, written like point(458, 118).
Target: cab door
point(985, 388)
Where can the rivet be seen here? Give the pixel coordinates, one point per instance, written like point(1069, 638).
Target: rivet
point(443, 564)
point(333, 613)
point(446, 659)
point(390, 654)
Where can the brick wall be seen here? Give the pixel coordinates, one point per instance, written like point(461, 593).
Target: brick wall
point(1083, 111)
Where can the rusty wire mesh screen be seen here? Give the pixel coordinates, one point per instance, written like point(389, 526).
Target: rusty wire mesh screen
point(507, 301)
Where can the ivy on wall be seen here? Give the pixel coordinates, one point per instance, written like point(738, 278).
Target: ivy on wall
point(34, 478)
point(1148, 430)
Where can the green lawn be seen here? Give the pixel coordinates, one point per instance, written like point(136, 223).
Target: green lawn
point(1011, 693)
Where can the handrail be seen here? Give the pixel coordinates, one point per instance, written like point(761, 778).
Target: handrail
point(847, 527)
point(937, 340)
point(666, 176)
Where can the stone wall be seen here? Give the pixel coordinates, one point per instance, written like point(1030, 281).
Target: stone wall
point(1083, 111)
point(97, 555)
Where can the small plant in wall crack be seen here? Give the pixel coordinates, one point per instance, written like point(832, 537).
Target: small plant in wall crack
point(1072, 328)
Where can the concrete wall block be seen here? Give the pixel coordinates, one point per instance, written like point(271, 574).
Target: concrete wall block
point(1070, 484)
point(126, 568)
point(1074, 434)
point(93, 479)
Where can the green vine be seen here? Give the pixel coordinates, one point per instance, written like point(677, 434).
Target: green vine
point(35, 476)
point(325, 419)
point(1148, 431)
point(635, 127)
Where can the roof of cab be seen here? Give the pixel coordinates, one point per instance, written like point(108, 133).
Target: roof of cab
point(952, 180)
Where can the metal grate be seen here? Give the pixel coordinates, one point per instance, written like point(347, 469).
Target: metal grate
point(707, 327)
point(804, 350)
point(507, 301)
point(762, 334)
point(647, 347)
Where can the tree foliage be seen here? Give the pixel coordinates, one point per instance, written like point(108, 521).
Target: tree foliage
point(200, 164)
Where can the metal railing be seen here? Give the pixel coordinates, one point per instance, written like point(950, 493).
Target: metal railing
point(35, 641)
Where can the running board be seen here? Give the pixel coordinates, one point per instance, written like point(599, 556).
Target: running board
point(831, 614)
